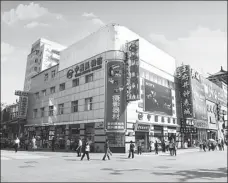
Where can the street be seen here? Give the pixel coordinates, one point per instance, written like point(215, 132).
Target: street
point(190, 165)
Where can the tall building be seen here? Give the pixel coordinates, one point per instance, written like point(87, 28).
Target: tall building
point(112, 85)
point(44, 54)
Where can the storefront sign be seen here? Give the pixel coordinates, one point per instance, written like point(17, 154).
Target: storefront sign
point(199, 101)
point(186, 91)
point(201, 124)
point(142, 127)
point(157, 98)
point(85, 67)
point(171, 130)
point(115, 97)
point(23, 107)
point(132, 70)
point(116, 139)
point(21, 93)
point(188, 129)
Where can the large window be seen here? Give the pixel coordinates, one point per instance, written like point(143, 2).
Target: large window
point(44, 92)
point(51, 110)
point(60, 108)
point(75, 82)
point(74, 106)
point(62, 87)
point(34, 113)
point(156, 118)
point(46, 77)
point(53, 73)
point(42, 112)
point(88, 104)
point(89, 78)
point(52, 89)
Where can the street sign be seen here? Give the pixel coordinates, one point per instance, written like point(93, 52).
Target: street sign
point(21, 93)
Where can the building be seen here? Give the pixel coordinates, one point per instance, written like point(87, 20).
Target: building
point(112, 84)
point(204, 106)
point(219, 77)
point(44, 54)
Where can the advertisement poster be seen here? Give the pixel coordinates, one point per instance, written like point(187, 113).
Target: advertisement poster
point(115, 119)
point(157, 98)
point(199, 101)
point(186, 91)
point(23, 107)
point(132, 70)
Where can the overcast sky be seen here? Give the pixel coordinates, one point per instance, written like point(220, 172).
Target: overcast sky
point(193, 32)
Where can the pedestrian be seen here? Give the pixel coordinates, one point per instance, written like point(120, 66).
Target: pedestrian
point(150, 144)
point(156, 147)
point(53, 144)
point(17, 144)
point(175, 148)
point(68, 144)
point(106, 149)
point(204, 145)
point(79, 148)
point(139, 148)
point(163, 146)
point(86, 150)
point(222, 144)
point(200, 145)
point(34, 143)
point(26, 144)
point(171, 147)
point(131, 151)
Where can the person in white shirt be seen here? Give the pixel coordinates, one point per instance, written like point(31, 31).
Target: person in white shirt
point(17, 143)
point(33, 143)
point(79, 148)
point(86, 151)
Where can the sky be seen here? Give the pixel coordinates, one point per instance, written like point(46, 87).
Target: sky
point(193, 32)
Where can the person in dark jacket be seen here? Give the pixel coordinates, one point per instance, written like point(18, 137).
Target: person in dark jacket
point(204, 145)
point(163, 146)
point(131, 151)
point(156, 147)
point(139, 148)
point(53, 144)
point(106, 148)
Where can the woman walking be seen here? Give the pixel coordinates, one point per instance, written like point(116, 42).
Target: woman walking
point(86, 151)
point(106, 148)
point(17, 143)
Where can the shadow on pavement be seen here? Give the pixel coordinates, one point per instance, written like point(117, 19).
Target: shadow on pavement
point(196, 174)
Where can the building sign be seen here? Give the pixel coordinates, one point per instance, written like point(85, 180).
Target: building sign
point(23, 107)
point(186, 91)
point(187, 126)
point(200, 124)
point(199, 101)
point(116, 139)
point(157, 98)
point(211, 112)
point(132, 70)
point(21, 93)
point(141, 127)
point(115, 97)
point(85, 67)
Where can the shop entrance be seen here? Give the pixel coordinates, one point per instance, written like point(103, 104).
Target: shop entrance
point(143, 138)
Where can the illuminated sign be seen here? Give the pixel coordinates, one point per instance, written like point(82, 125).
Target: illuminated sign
point(84, 68)
point(132, 70)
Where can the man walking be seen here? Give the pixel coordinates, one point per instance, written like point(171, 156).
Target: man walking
point(204, 145)
point(53, 144)
point(17, 143)
point(156, 147)
point(106, 148)
point(222, 144)
point(139, 148)
point(86, 151)
point(131, 151)
point(79, 148)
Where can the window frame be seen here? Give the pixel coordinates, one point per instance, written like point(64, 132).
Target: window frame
point(74, 108)
point(51, 111)
point(35, 111)
point(44, 92)
point(88, 76)
point(53, 87)
point(42, 109)
point(60, 86)
point(46, 77)
point(75, 82)
point(53, 73)
point(61, 109)
point(37, 95)
point(89, 104)
point(156, 118)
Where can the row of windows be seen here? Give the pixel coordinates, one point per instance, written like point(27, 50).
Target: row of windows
point(74, 108)
point(75, 82)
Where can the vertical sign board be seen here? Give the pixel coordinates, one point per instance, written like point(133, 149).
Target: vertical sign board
point(115, 118)
point(23, 103)
point(132, 70)
point(186, 91)
point(115, 97)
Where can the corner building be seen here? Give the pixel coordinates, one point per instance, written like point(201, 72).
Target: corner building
point(112, 84)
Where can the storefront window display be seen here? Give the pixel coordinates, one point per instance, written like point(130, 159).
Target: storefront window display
point(89, 134)
point(60, 136)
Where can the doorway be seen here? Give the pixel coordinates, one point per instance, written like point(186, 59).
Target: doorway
point(143, 138)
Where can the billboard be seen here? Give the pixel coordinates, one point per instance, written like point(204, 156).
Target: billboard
point(157, 98)
point(20, 93)
point(132, 70)
point(115, 118)
point(23, 107)
point(184, 75)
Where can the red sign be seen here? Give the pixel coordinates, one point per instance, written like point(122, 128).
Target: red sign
point(115, 119)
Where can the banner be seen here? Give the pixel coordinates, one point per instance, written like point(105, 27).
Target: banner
point(115, 118)
point(132, 70)
point(23, 107)
point(157, 98)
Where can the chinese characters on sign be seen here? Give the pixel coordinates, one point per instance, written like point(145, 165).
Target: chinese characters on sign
point(142, 127)
point(186, 92)
point(116, 139)
point(115, 99)
point(132, 70)
point(23, 106)
point(187, 126)
point(85, 67)
point(21, 93)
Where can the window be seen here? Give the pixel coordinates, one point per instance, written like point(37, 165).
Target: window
point(75, 82)
point(89, 78)
point(163, 120)
point(39, 69)
point(51, 110)
point(174, 121)
point(74, 106)
point(37, 95)
point(52, 89)
point(210, 119)
point(53, 74)
point(156, 118)
point(62, 87)
point(42, 112)
point(44, 92)
point(34, 113)
point(46, 77)
point(88, 104)
point(60, 108)
point(168, 120)
point(35, 68)
point(36, 60)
